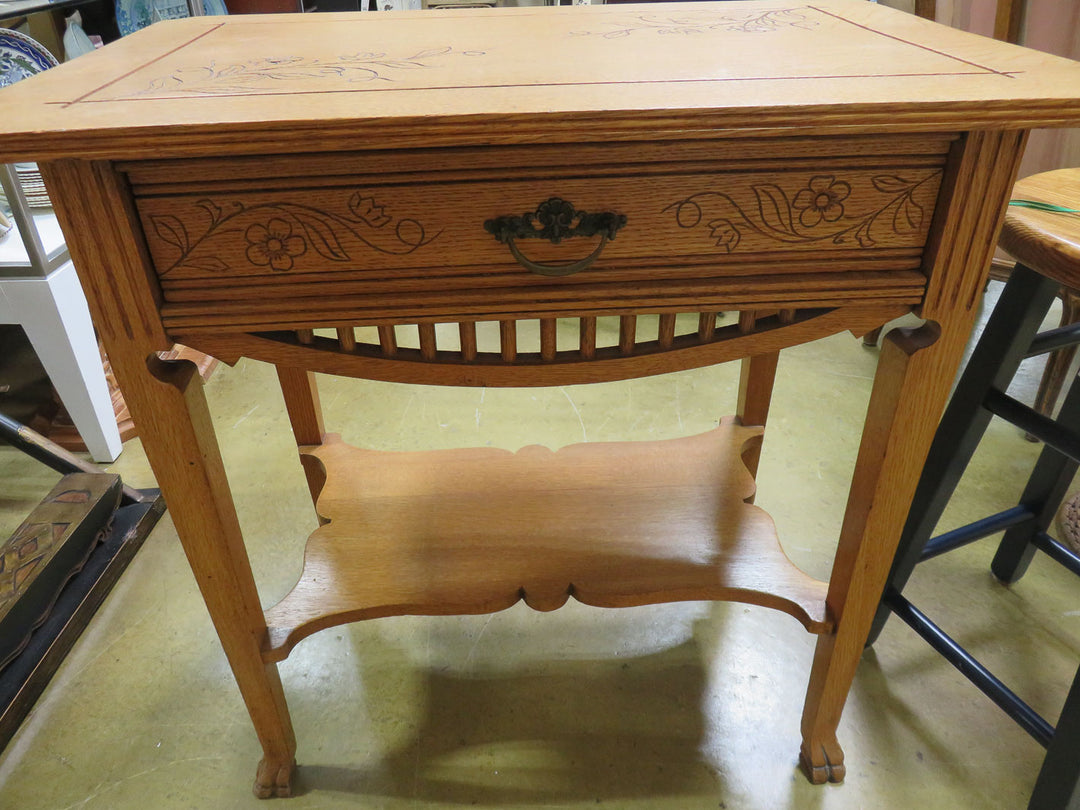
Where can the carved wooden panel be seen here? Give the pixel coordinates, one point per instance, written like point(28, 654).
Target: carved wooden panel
point(47, 549)
point(240, 246)
point(370, 230)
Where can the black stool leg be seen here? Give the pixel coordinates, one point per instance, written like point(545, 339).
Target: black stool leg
point(1043, 494)
point(1012, 325)
point(1058, 785)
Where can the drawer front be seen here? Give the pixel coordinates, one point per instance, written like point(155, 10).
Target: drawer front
point(314, 243)
point(375, 231)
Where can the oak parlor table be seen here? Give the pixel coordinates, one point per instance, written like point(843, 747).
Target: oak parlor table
point(261, 186)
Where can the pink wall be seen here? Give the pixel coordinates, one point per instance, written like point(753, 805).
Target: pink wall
point(1052, 26)
point(1049, 25)
point(976, 16)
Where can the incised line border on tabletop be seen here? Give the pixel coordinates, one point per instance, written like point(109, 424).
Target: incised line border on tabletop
point(365, 67)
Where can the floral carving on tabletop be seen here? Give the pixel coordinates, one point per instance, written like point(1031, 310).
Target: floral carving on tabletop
point(817, 212)
point(267, 73)
point(276, 234)
point(699, 22)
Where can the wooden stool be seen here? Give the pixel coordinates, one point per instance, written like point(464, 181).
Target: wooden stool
point(1050, 244)
point(1047, 245)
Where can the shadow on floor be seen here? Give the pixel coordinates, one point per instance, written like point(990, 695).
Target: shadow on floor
point(580, 730)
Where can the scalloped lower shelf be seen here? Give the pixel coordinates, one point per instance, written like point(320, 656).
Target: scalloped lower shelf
point(473, 531)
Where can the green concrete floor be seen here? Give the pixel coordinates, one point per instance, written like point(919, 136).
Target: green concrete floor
point(676, 706)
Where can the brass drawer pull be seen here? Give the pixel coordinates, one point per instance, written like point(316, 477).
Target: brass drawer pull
point(555, 220)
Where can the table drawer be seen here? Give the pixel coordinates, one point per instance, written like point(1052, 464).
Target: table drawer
point(237, 243)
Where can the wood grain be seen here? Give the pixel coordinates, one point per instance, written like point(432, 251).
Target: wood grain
point(911, 385)
point(1046, 241)
point(1008, 18)
point(475, 530)
point(243, 184)
point(301, 395)
point(373, 229)
point(510, 303)
point(606, 74)
point(508, 369)
point(174, 424)
point(381, 166)
point(757, 374)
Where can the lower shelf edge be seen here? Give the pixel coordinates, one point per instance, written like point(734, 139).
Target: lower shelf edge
point(614, 524)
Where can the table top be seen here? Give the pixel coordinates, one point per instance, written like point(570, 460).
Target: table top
point(309, 82)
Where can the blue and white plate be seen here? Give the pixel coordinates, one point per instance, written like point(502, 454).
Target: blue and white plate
point(21, 57)
point(214, 8)
point(131, 15)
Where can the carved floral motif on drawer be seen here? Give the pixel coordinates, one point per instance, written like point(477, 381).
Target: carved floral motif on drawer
point(345, 228)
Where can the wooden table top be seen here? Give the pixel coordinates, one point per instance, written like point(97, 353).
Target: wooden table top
point(290, 83)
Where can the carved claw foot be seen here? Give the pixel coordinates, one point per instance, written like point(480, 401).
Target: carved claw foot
point(274, 779)
point(823, 764)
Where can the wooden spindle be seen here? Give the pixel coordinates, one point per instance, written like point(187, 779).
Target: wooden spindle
point(787, 316)
point(706, 326)
point(508, 340)
point(467, 331)
point(665, 333)
point(347, 338)
point(747, 320)
point(427, 340)
point(305, 336)
point(587, 339)
point(627, 334)
point(388, 340)
point(548, 338)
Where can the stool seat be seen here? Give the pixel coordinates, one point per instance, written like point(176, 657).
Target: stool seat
point(1046, 241)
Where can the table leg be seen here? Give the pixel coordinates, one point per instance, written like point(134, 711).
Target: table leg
point(305, 414)
point(756, 377)
point(897, 435)
point(914, 375)
point(179, 433)
point(167, 403)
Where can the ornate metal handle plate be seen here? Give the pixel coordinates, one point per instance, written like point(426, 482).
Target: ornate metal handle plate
point(555, 220)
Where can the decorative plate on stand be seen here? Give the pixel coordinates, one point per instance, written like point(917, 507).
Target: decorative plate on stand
point(131, 15)
point(21, 57)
